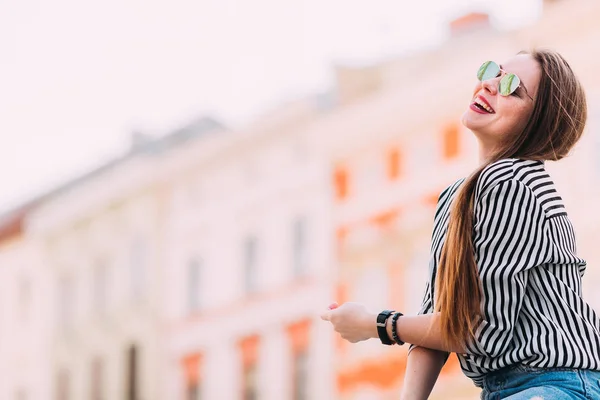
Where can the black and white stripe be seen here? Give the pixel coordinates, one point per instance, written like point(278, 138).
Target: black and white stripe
point(531, 276)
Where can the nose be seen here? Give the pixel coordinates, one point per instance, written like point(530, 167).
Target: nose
point(491, 85)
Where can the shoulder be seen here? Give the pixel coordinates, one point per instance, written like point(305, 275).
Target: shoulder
point(519, 182)
point(447, 195)
point(512, 170)
point(450, 189)
point(493, 175)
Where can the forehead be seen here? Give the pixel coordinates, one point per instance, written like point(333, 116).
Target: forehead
point(526, 68)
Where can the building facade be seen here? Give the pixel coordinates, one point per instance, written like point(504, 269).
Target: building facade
point(101, 243)
point(249, 257)
point(196, 266)
point(24, 322)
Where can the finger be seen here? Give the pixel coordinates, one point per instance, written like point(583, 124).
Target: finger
point(333, 306)
point(326, 316)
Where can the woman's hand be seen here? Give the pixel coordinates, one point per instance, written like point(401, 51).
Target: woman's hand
point(352, 321)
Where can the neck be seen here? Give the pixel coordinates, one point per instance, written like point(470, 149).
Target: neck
point(485, 152)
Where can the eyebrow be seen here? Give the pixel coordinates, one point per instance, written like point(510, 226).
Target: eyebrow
point(522, 84)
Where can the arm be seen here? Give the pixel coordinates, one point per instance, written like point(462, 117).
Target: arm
point(423, 331)
point(422, 370)
point(355, 323)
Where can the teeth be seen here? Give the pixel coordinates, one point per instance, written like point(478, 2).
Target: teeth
point(485, 106)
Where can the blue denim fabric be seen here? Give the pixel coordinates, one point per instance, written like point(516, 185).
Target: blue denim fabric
point(527, 383)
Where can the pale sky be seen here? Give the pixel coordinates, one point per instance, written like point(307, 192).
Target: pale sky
point(76, 77)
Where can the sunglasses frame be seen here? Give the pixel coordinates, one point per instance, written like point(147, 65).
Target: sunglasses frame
point(506, 79)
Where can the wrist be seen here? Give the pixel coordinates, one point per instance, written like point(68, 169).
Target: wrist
point(394, 324)
point(388, 328)
point(370, 326)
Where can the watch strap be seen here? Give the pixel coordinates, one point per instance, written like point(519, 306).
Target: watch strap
point(381, 331)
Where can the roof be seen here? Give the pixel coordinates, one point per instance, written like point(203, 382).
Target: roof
point(12, 221)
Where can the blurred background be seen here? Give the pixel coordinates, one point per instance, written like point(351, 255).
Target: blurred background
point(186, 185)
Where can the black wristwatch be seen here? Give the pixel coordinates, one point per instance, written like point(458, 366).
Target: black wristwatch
point(381, 331)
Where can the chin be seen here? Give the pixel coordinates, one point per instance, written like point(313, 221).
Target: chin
point(467, 121)
point(474, 122)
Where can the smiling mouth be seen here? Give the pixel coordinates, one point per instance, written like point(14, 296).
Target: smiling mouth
point(482, 106)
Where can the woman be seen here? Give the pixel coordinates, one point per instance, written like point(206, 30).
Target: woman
point(504, 291)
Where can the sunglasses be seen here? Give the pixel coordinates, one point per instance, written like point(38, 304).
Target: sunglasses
point(509, 82)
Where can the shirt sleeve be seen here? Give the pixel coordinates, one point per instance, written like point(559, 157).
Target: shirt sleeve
point(427, 302)
point(509, 239)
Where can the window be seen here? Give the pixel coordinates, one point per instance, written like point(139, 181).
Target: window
point(341, 183)
point(97, 379)
point(250, 264)
point(62, 385)
point(451, 139)
point(194, 270)
point(393, 163)
point(192, 392)
point(137, 268)
point(24, 286)
point(300, 250)
point(191, 368)
point(249, 349)
point(300, 375)
point(131, 390)
point(65, 302)
point(21, 394)
point(250, 383)
point(299, 337)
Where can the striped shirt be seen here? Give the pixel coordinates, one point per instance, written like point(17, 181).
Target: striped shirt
point(533, 312)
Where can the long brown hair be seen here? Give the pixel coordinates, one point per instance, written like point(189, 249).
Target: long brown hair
point(555, 125)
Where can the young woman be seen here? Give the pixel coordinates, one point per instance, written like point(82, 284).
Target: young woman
point(504, 291)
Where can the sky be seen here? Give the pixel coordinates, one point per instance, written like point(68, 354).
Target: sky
point(78, 77)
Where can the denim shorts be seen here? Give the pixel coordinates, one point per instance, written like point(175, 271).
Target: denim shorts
point(521, 382)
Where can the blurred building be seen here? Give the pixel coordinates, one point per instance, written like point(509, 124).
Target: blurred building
point(248, 262)
point(24, 311)
point(196, 266)
point(100, 239)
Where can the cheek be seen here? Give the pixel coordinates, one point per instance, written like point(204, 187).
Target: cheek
point(516, 118)
point(522, 117)
point(476, 88)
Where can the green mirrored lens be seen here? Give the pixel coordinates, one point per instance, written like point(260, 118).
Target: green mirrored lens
point(508, 84)
point(488, 70)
